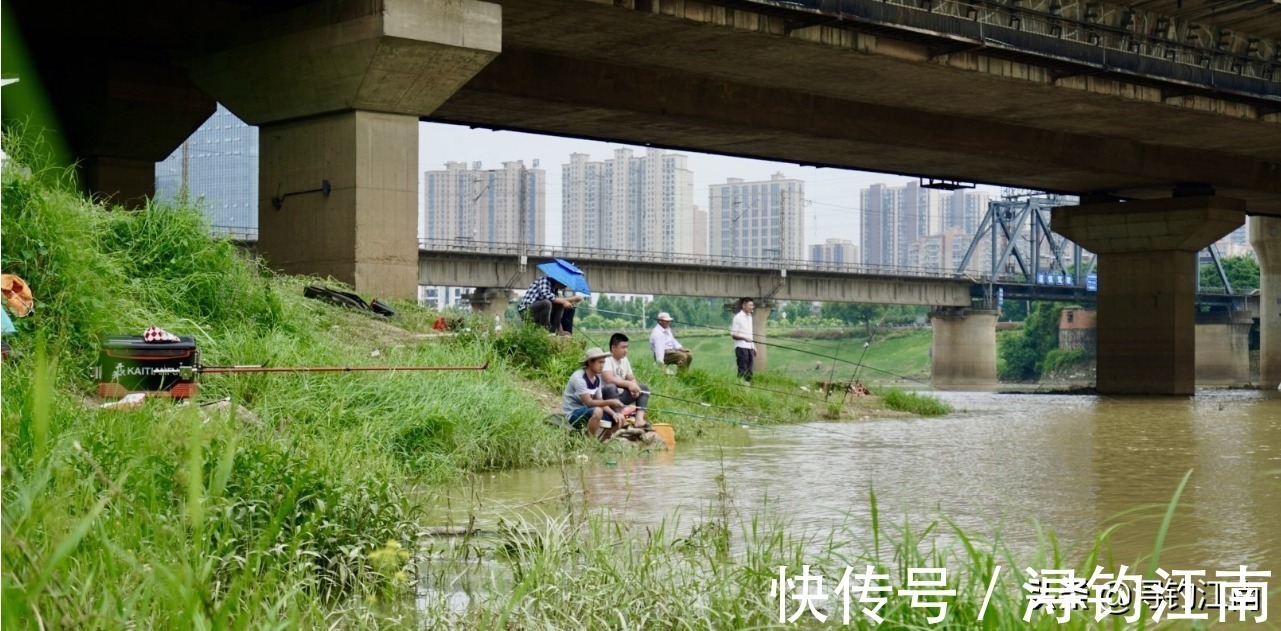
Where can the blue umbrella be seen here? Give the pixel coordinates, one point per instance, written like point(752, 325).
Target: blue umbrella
point(567, 274)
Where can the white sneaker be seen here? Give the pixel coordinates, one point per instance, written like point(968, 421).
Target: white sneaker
point(747, 384)
point(671, 370)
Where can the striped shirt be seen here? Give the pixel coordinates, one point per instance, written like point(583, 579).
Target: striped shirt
point(540, 289)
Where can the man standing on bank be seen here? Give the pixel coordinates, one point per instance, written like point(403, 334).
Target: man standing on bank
point(665, 347)
point(744, 347)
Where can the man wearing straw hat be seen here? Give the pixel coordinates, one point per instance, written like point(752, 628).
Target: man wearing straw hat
point(582, 403)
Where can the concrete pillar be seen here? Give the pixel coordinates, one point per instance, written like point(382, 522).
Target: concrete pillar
point(338, 88)
point(363, 232)
point(963, 348)
point(1147, 284)
point(490, 302)
point(1223, 348)
point(115, 118)
point(759, 319)
point(1265, 236)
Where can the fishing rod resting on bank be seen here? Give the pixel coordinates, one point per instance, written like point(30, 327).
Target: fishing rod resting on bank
point(187, 372)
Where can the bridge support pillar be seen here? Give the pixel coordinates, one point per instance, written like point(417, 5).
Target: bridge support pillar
point(760, 317)
point(1147, 285)
point(490, 302)
point(363, 230)
point(1265, 236)
point(1223, 348)
point(339, 101)
point(963, 348)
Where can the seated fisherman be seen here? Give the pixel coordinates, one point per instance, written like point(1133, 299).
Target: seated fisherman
point(582, 402)
point(543, 304)
point(621, 382)
point(664, 345)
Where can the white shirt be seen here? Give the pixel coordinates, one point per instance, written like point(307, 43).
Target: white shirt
point(742, 327)
point(618, 367)
point(661, 340)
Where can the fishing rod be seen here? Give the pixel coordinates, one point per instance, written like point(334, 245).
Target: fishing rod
point(713, 405)
point(698, 325)
point(187, 372)
point(775, 344)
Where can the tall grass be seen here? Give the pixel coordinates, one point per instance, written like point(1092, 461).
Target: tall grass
point(720, 571)
point(166, 517)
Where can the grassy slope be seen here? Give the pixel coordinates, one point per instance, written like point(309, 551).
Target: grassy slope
point(166, 518)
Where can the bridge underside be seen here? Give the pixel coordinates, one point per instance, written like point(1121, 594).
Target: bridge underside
point(338, 85)
point(702, 76)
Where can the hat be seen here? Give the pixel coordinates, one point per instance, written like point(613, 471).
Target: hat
point(665, 316)
point(594, 353)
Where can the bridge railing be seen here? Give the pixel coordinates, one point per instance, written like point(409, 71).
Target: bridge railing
point(1133, 33)
point(674, 258)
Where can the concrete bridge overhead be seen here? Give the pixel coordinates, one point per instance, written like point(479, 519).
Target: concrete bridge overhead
point(632, 274)
point(1162, 114)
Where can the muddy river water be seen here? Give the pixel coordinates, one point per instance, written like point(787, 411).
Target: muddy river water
point(1002, 463)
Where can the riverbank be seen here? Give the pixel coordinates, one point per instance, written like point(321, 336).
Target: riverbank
point(313, 506)
point(302, 506)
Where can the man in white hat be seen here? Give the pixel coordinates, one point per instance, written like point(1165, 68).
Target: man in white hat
point(665, 347)
point(582, 403)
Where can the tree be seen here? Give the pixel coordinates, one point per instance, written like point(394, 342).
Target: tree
point(1025, 353)
point(1242, 272)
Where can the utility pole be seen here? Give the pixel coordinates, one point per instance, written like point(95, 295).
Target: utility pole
point(520, 248)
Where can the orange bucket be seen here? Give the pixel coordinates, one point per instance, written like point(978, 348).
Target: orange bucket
point(666, 432)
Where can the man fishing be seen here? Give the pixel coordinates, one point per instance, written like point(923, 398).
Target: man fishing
point(744, 344)
point(582, 401)
point(665, 347)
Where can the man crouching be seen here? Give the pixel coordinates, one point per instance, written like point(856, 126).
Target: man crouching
point(582, 403)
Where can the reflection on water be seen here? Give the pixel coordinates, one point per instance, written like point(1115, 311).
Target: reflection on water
point(1002, 464)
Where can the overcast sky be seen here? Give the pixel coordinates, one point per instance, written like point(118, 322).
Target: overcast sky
point(831, 210)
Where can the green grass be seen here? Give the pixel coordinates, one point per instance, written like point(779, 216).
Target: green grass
point(915, 402)
point(900, 354)
point(162, 518)
point(718, 570)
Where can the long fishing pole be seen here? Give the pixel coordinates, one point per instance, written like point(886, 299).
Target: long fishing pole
point(854, 377)
point(187, 371)
point(858, 365)
point(700, 326)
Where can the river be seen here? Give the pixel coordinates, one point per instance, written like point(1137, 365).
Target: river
point(1001, 464)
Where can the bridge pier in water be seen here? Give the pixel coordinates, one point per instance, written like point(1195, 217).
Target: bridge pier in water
point(1223, 348)
point(963, 348)
point(1265, 237)
point(338, 103)
point(1147, 285)
point(490, 302)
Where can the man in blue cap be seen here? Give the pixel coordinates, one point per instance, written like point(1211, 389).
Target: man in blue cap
point(542, 303)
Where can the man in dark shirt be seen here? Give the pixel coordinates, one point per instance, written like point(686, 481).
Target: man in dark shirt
point(543, 304)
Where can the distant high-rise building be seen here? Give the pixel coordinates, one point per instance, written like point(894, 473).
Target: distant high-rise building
point(642, 204)
point(218, 167)
point(964, 209)
point(463, 204)
point(938, 252)
point(834, 253)
point(894, 218)
point(757, 220)
point(700, 232)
